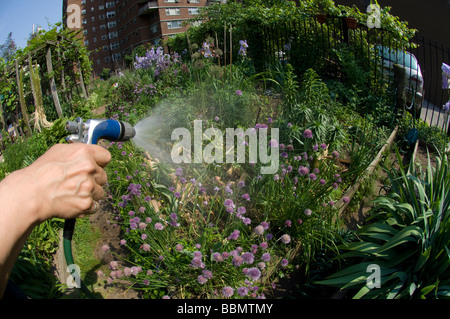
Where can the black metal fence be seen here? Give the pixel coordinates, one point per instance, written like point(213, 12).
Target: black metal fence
point(325, 46)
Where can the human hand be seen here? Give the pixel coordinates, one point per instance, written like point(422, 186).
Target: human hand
point(65, 182)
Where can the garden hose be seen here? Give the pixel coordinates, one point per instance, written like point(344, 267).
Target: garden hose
point(90, 132)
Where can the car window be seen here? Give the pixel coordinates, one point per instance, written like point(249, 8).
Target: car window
point(402, 58)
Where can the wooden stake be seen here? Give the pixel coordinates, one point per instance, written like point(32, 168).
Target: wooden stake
point(53, 83)
point(23, 106)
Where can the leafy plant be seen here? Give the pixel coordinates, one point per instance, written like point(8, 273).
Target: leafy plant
point(407, 238)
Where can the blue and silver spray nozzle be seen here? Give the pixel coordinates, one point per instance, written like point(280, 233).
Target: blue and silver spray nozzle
point(91, 131)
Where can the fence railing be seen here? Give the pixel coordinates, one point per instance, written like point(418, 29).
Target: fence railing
point(326, 45)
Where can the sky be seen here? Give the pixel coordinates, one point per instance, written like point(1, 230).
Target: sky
point(18, 17)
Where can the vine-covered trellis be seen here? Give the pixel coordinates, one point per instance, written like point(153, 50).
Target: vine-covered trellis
point(54, 69)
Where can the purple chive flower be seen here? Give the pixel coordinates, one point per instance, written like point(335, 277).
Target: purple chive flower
point(303, 170)
point(345, 199)
point(218, 257)
point(105, 248)
point(227, 291)
point(335, 154)
point(179, 247)
point(246, 196)
point(284, 262)
point(207, 273)
point(237, 261)
point(242, 291)
point(241, 210)
point(322, 181)
point(307, 133)
point(285, 239)
point(238, 92)
point(287, 223)
point(273, 143)
point(253, 273)
point(323, 146)
point(259, 230)
point(201, 279)
point(234, 235)
point(146, 247)
point(312, 176)
point(265, 257)
point(159, 226)
point(307, 212)
point(248, 258)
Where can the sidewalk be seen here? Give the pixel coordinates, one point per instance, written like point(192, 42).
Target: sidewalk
point(433, 114)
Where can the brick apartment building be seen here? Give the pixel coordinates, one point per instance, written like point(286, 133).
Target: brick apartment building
point(113, 28)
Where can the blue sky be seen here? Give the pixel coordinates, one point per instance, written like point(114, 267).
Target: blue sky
point(18, 17)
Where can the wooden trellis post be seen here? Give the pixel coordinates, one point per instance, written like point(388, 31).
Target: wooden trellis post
point(22, 104)
point(83, 88)
point(52, 82)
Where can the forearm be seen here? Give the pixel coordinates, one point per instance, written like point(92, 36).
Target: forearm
point(17, 220)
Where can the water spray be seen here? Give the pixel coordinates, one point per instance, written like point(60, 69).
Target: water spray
point(90, 132)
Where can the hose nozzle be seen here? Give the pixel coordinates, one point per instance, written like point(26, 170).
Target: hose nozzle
point(91, 131)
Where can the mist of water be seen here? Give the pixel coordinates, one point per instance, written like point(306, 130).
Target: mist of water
point(150, 136)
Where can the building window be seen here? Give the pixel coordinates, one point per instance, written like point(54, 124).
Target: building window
point(101, 7)
point(92, 9)
point(84, 21)
point(105, 48)
point(194, 1)
point(92, 19)
point(173, 12)
point(101, 17)
point(83, 12)
point(193, 11)
point(93, 29)
point(85, 32)
point(107, 58)
point(112, 24)
point(98, 61)
point(104, 37)
point(111, 14)
point(174, 24)
point(86, 43)
point(113, 35)
point(95, 39)
point(83, 2)
point(116, 56)
point(103, 27)
point(154, 28)
point(171, 1)
point(114, 45)
point(110, 4)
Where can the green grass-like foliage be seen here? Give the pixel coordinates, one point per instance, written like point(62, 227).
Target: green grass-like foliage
point(407, 238)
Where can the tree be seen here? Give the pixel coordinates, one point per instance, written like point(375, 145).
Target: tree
point(8, 49)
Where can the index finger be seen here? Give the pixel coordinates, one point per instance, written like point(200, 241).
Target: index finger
point(100, 155)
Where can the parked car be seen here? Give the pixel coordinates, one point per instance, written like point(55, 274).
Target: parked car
point(413, 74)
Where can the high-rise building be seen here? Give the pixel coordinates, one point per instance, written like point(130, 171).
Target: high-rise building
point(111, 29)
